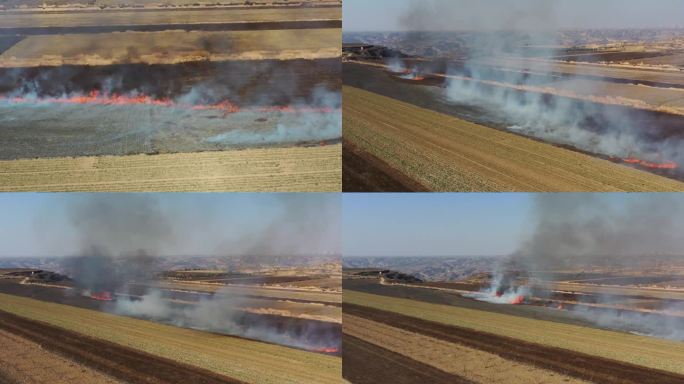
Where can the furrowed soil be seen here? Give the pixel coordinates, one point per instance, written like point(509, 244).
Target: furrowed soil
point(27, 362)
point(232, 357)
point(579, 365)
point(470, 363)
point(444, 153)
point(366, 363)
point(629, 353)
point(296, 169)
point(125, 364)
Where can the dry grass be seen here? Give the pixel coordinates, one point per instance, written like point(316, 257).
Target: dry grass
point(444, 153)
point(272, 292)
point(297, 169)
point(621, 291)
point(472, 364)
point(171, 47)
point(672, 77)
point(640, 350)
point(250, 361)
point(161, 17)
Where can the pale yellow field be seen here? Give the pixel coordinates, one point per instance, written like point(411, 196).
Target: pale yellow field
point(298, 169)
point(20, 19)
point(623, 291)
point(672, 77)
point(242, 359)
point(170, 47)
point(472, 364)
point(444, 153)
point(277, 293)
point(641, 350)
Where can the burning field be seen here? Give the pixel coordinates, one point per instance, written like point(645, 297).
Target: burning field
point(591, 293)
point(266, 308)
point(256, 78)
point(551, 87)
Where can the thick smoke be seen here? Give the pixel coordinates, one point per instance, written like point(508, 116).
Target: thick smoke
point(119, 238)
point(223, 313)
point(300, 224)
point(496, 32)
point(127, 238)
point(577, 232)
point(584, 230)
point(313, 101)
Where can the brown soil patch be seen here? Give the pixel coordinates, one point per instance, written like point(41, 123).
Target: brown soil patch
point(23, 361)
point(365, 363)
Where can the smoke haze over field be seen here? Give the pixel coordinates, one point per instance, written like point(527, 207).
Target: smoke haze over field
point(577, 230)
point(169, 225)
point(384, 15)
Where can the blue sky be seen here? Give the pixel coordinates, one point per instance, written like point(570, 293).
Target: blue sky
point(384, 15)
point(43, 224)
point(433, 224)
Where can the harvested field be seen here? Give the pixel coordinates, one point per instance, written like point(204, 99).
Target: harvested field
point(643, 76)
point(578, 365)
point(232, 357)
point(365, 363)
point(657, 359)
point(266, 292)
point(470, 363)
point(295, 169)
point(622, 291)
point(13, 20)
point(447, 154)
point(172, 47)
point(363, 172)
point(24, 361)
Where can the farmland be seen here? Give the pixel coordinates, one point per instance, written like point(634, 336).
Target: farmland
point(277, 169)
point(494, 343)
point(442, 153)
point(250, 361)
point(611, 95)
point(195, 83)
point(171, 47)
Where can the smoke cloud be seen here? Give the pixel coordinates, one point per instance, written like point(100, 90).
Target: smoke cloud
point(494, 32)
point(223, 313)
point(583, 230)
point(574, 232)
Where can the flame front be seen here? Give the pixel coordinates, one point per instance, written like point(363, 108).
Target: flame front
point(97, 98)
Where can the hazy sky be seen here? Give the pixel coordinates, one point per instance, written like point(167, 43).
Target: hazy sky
point(184, 224)
point(432, 224)
point(476, 224)
point(385, 15)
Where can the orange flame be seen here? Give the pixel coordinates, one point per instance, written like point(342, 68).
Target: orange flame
point(651, 165)
point(327, 350)
point(96, 98)
point(102, 296)
point(520, 299)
